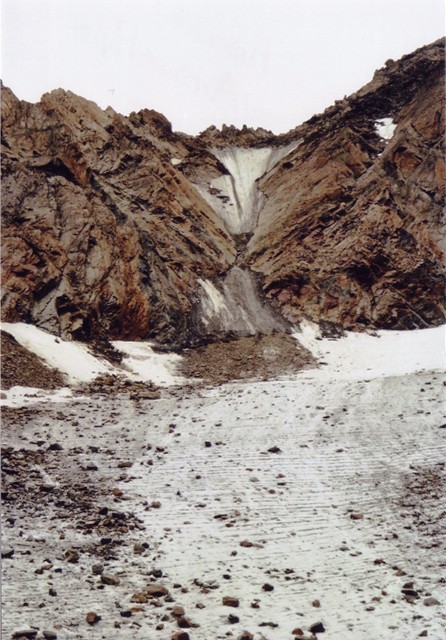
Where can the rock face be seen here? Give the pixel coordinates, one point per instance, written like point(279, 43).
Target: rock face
point(350, 231)
point(236, 308)
point(117, 226)
point(101, 232)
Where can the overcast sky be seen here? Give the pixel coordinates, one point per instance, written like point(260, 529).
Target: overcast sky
point(269, 63)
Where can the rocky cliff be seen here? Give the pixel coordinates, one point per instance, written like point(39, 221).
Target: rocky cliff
point(116, 226)
point(351, 227)
point(101, 233)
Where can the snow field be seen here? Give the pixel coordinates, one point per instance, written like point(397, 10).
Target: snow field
point(341, 447)
point(386, 353)
point(355, 356)
point(329, 486)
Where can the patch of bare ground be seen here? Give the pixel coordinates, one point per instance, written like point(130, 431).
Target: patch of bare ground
point(248, 358)
point(421, 501)
point(21, 367)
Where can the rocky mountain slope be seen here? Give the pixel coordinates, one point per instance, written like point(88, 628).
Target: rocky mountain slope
point(116, 226)
point(351, 226)
point(101, 234)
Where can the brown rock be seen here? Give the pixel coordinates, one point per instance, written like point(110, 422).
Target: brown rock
point(275, 449)
point(71, 555)
point(25, 633)
point(229, 601)
point(358, 242)
point(140, 598)
point(101, 233)
point(318, 627)
point(97, 569)
point(186, 623)
point(110, 579)
point(246, 543)
point(156, 591)
point(92, 617)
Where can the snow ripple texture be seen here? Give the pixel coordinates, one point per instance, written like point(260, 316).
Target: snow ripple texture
point(286, 466)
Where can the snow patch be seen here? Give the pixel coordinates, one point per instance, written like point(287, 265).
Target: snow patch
point(141, 362)
point(26, 396)
point(388, 353)
point(235, 196)
point(73, 359)
point(175, 161)
point(214, 301)
point(385, 128)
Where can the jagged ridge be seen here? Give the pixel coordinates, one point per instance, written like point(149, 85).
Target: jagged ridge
point(358, 242)
point(105, 231)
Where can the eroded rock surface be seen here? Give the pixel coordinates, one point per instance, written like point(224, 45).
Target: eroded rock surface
point(112, 223)
point(350, 231)
point(101, 232)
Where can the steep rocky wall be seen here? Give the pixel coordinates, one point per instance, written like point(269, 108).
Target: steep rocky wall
point(110, 223)
point(102, 234)
point(351, 229)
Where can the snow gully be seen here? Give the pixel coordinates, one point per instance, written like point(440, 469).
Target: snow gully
point(234, 305)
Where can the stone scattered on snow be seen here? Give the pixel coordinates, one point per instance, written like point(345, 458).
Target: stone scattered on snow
point(92, 617)
point(110, 580)
point(230, 601)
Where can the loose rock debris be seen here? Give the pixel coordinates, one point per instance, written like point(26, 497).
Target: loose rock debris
point(118, 519)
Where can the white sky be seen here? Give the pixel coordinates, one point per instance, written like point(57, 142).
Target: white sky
point(269, 63)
